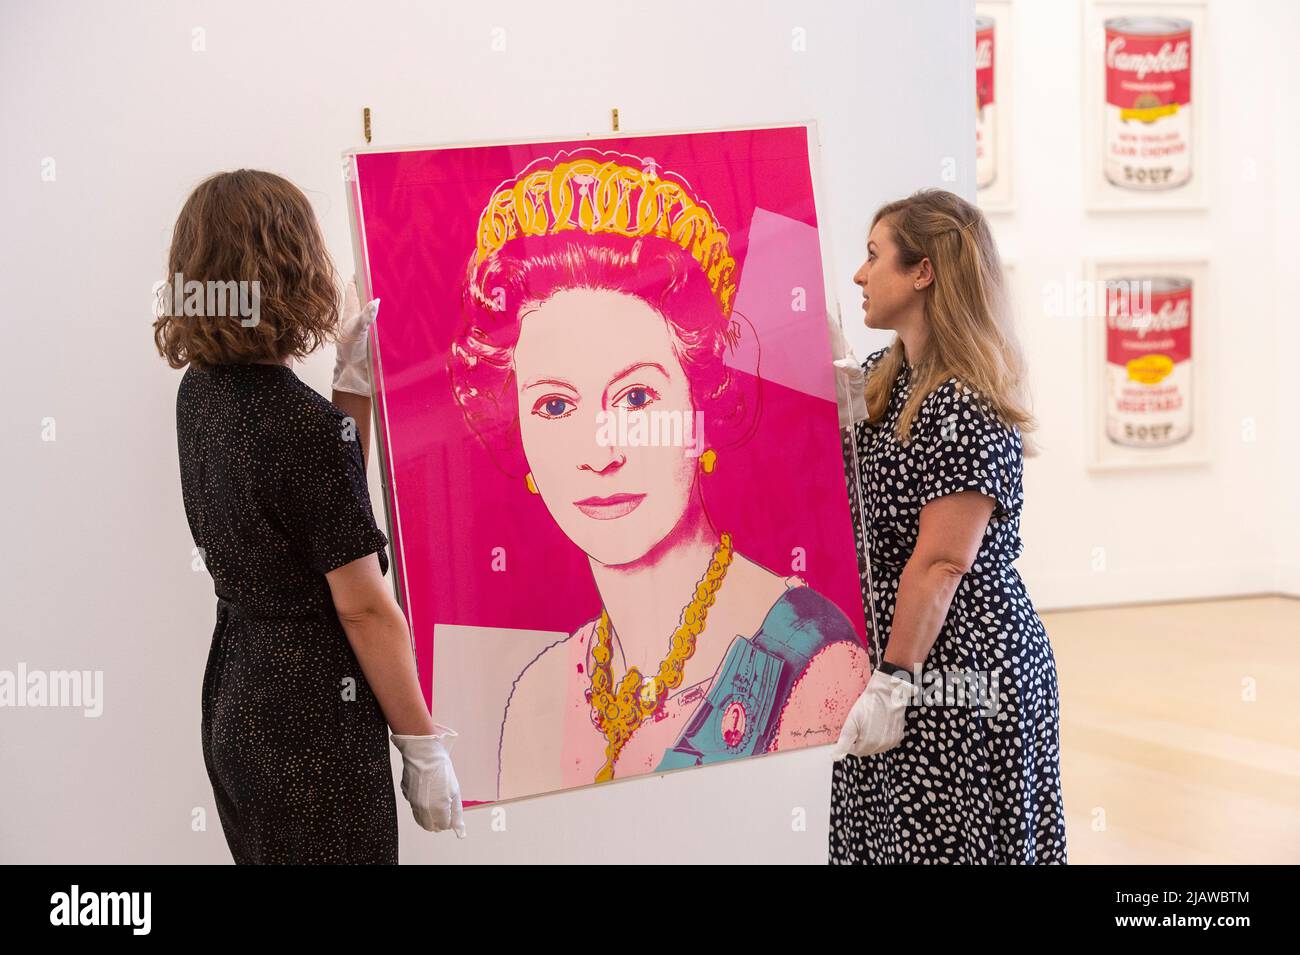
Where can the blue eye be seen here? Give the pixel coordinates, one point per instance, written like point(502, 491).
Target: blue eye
point(552, 407)
point(638, 397)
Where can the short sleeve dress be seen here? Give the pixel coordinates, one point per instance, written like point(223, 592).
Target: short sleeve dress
point(294, 741)
point(976, 777)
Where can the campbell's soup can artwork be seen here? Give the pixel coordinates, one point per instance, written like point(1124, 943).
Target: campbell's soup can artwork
point(985, 146)
point(1148, 122)
point(1148, 361)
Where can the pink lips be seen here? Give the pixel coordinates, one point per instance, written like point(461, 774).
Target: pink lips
point(608, 508)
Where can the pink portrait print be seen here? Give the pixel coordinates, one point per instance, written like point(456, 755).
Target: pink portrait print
point(611, 451)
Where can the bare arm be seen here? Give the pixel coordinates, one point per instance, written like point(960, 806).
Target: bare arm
point(947, 543)
point(356, 407)
point(381, 640)
point(822, 696)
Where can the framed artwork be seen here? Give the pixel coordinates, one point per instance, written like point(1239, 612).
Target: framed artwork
point(1146, 363)
point(1144, 111)
point(611, 449)
point(994, 40)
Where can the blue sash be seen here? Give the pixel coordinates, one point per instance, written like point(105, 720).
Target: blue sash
point(742, 711)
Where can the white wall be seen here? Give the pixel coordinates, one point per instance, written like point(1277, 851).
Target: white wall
point(1230, 527)
point(97, 570)
point(1284, 30)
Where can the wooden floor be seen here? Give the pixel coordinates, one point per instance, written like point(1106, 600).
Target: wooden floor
point(1180, 731)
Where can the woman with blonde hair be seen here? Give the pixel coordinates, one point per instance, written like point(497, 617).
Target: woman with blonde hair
point(951, 754)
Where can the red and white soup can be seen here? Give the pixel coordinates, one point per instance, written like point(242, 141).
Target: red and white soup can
point(986, 156)
point(1148, 360)
point(1148, 121)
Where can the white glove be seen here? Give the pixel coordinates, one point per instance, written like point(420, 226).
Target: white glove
point(429, 782)
point(351, 367)
point(875, 723)
point(850, 379)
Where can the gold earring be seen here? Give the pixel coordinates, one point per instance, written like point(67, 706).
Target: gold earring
point(528, 479)
point(708, 460)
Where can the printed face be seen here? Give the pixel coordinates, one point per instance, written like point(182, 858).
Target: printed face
point(887, 288)
point(593, 368)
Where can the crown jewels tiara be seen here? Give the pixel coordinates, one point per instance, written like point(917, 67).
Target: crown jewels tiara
point(602, 192)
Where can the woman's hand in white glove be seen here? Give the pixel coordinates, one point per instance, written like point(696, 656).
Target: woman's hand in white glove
point(850, 391)
point(875, 723)
point(850, 379)
point(429, 782)
point(351, 368)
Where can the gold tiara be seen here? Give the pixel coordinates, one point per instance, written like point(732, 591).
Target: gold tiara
point(599, 195)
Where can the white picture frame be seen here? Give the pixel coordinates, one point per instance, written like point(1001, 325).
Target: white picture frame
point(1104, 453)
point(1101, 194)
point(997, 196)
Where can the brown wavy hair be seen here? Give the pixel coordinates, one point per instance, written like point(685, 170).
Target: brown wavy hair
point(247, 226)
point(971, 333)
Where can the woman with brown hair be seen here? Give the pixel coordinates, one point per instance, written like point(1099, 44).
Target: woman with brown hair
point(951, 754)
point(311, 657)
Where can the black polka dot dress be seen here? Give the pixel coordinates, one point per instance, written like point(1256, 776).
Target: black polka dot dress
point(295, 744)
point(975, 781)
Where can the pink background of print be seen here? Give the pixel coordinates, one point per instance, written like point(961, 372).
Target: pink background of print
point(451, 506)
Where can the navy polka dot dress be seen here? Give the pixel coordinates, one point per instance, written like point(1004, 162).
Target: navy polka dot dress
point(977, 781)
point(294, 741)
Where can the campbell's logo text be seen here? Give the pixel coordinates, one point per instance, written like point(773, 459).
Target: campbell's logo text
point(1170, 58)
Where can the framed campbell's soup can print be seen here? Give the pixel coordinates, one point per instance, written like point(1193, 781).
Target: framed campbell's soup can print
point(1146, 380)
point(994, 41)
point(1144, 112)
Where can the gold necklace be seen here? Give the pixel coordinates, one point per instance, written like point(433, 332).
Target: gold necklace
point(617, 714)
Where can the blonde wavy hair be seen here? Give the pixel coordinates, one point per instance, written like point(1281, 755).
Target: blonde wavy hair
point(971, 333)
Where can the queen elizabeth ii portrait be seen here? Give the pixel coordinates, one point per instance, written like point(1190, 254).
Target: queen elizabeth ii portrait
point(597, 312)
